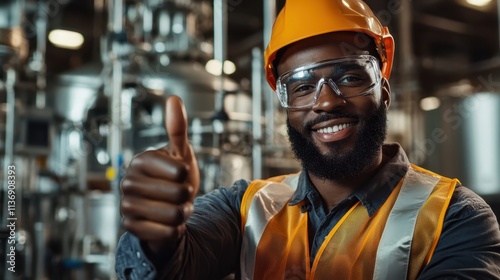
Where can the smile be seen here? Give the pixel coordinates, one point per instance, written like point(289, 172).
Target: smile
point(335, 128)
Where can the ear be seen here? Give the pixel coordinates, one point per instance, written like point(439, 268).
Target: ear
point(386, 92)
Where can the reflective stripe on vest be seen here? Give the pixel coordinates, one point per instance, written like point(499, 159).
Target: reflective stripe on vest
point(269, 200)
point(275, 243)
point(393, 254)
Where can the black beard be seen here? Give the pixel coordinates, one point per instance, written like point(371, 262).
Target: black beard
point(334, 165)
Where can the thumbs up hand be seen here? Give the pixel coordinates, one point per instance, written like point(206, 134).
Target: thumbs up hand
point(160, 185)
point(179, 147)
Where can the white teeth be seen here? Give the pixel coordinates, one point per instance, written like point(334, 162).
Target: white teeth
point(335, 128)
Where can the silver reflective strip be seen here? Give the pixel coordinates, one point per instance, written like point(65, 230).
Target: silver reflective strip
point(266, 203)
point(393, 254)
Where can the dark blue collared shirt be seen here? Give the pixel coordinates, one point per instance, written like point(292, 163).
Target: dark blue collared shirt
point(469, 246)
point(372, 196)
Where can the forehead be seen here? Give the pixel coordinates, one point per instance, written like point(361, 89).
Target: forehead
point(324, 47)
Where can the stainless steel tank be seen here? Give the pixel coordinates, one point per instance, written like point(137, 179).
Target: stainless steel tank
point(71, 94)
point(191, 82)
point(462, 141)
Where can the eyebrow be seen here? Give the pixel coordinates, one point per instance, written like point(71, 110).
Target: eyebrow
point(339, 69)
point(345, 67)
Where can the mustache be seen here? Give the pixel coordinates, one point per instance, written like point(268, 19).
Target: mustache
point(329, 116)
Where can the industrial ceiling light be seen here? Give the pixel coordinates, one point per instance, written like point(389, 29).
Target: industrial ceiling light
point(66, 39)
point(430, 103)
point(229, 67)
point(213, 67)
point(478, 3)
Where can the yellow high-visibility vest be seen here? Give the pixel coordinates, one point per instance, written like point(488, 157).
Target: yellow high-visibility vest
point(396, 242)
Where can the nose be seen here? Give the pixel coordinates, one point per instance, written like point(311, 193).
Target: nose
point(328, 97)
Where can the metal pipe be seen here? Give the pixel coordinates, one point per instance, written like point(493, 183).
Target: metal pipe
point(256, 113)
point(39, 55)
point(99, 17)
point(115, 140)
point(116, 7)
point(220, 40)
point(39, 234)
point(147, 23)
point(82, 187)
point(10, 13)
point(220, 34)
point(269, 17)
point(11, 32)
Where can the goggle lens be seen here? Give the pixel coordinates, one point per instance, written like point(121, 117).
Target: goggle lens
point(348, 77)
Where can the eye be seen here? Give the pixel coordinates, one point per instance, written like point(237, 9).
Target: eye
point(304, 88)
point(301, 90)
point(351, 80)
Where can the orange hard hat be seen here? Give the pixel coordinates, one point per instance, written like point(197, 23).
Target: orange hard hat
point(301, 19)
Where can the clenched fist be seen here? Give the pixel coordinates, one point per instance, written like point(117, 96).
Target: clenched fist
point(159, 186)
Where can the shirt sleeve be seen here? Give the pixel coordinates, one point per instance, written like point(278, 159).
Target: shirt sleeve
point(469, 246)
point(210, 248)
point(130, 260)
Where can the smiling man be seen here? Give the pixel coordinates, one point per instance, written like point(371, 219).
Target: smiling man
point(337, 110)
point(357, 210)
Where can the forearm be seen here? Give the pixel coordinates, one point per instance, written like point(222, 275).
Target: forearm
point(469, 247)
point(213, 238)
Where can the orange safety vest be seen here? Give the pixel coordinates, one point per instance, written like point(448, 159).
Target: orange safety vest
point(396, 242)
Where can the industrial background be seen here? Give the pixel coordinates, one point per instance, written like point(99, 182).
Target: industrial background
point(83, 85)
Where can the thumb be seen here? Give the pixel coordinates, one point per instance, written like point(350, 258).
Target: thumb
point(176, 127)
point(178, 146)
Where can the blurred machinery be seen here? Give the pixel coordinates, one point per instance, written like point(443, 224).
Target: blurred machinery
point(70, 135)
point(462, 135)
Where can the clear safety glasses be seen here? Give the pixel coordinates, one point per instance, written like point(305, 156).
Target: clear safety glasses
point(348, 77)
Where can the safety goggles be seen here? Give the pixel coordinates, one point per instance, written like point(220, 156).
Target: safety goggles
point(348, 77)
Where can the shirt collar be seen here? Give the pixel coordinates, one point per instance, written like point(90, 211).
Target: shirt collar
point(375, 192)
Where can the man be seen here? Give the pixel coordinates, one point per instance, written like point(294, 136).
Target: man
point(358, 209)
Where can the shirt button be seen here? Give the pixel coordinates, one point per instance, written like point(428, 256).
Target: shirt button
point(138, 254)
point(143, 264)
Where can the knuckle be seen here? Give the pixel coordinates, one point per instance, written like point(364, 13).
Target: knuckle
point(180, 172)
point(127, 184)
point(128, 224)
point(178, 216)
point(169, 217)
point(139, 160)
point(126, 207)
point(182, 193)
point(188, 210)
